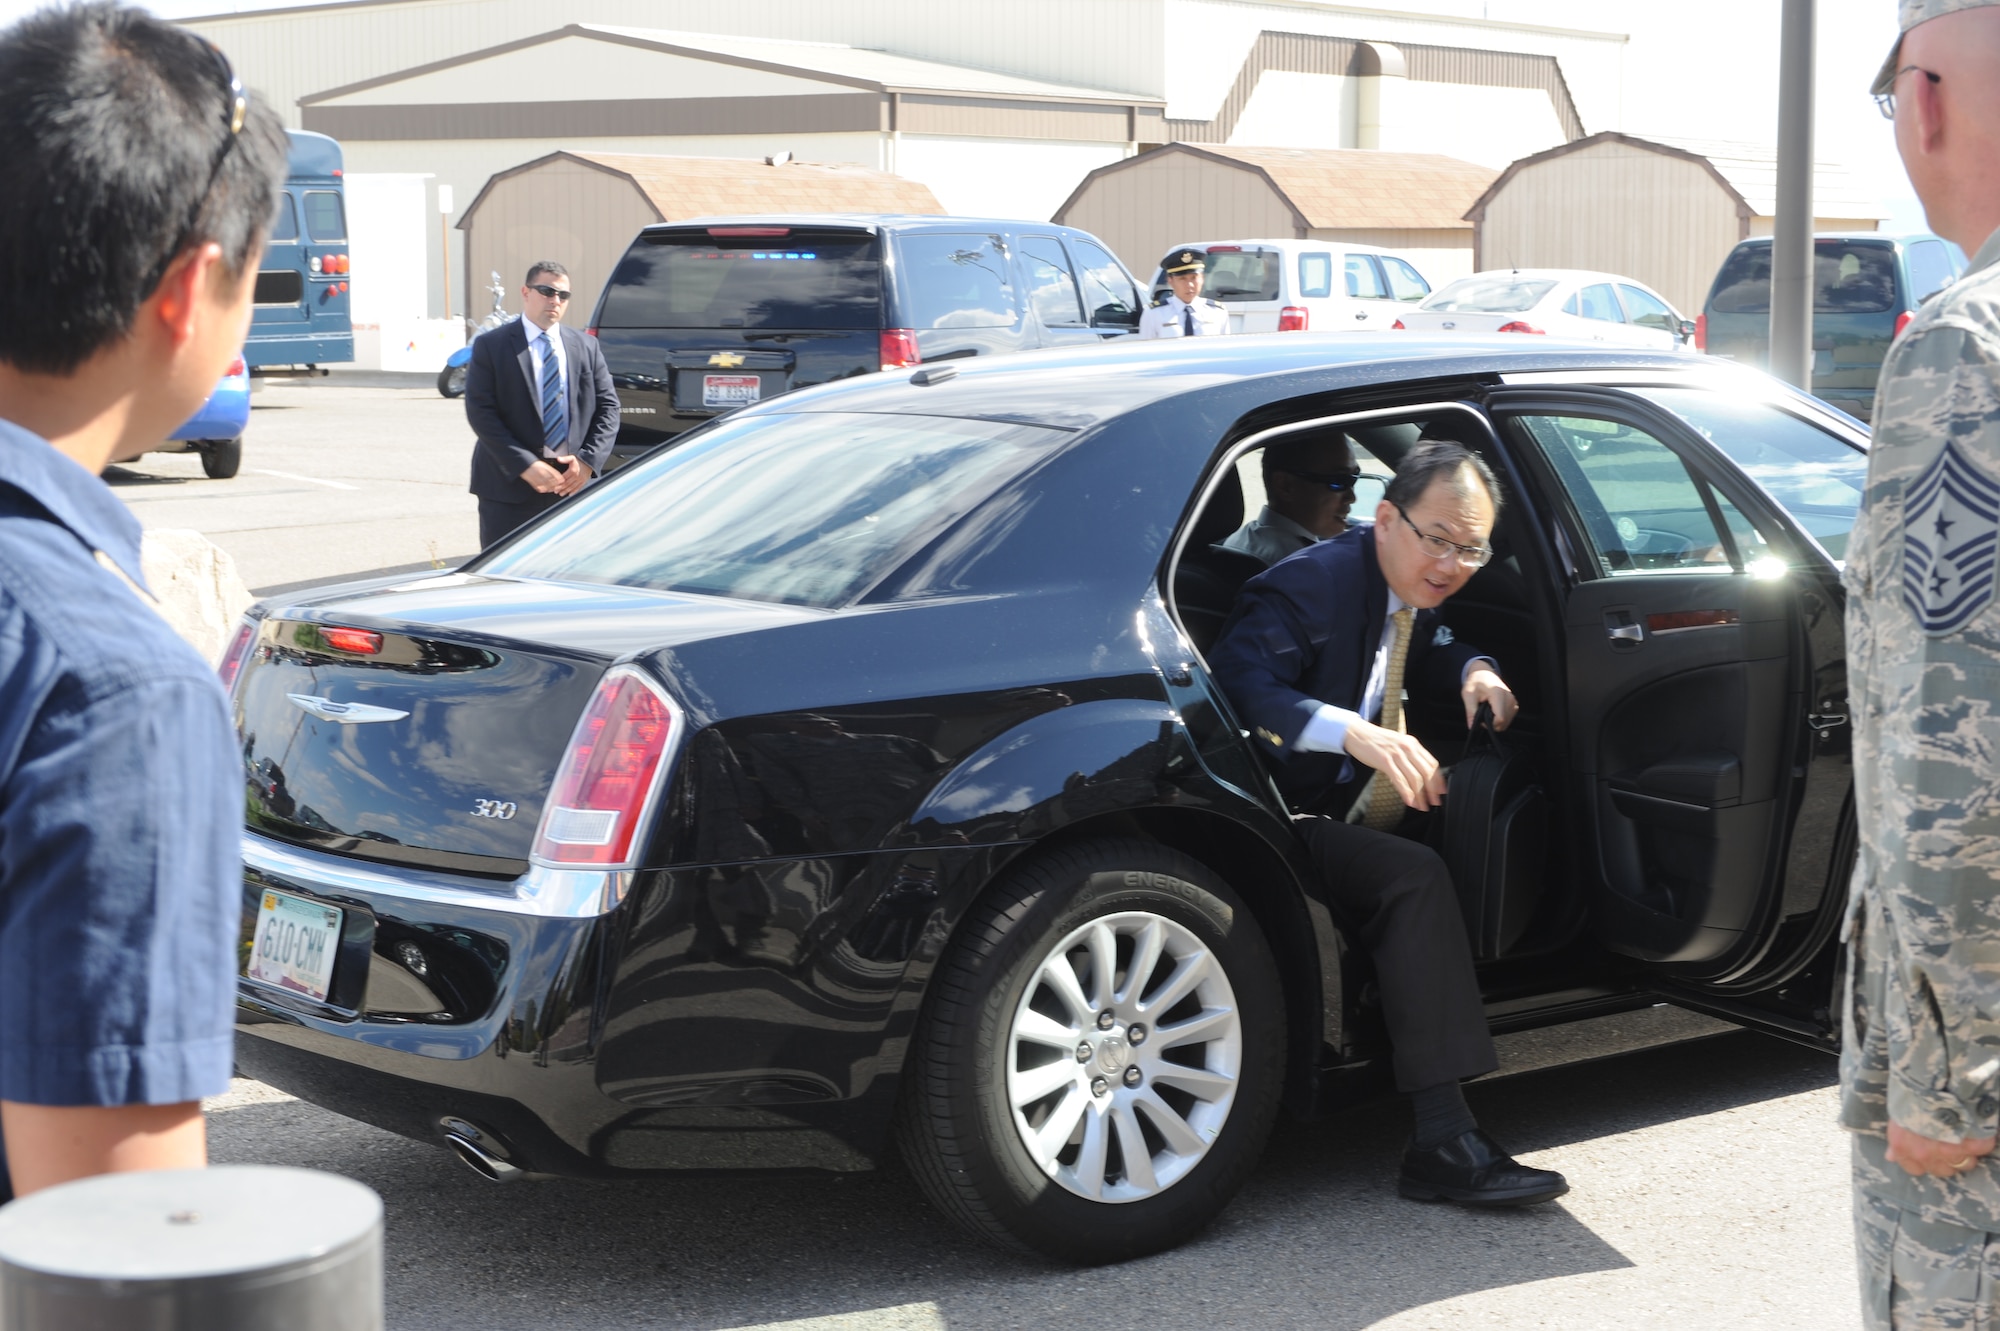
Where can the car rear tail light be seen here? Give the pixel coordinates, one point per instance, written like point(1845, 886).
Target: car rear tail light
point(749, 231)
point(236, 368)
point(1518, 326)
point(313, 263)
point(1293, 319)
point(1398, 327)
point(1225, 249)
point(362, 642)
point(1701, 332)
point(899, 348)
point(236, 654)
point(591, 331)
point(609, 775)
point(1902, 322)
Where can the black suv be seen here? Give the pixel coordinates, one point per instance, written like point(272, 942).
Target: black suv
point(705, 316)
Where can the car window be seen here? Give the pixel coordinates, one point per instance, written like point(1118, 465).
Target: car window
point(1647, 310)
point(1814, 476)
point(1235, 274)
point(285, 222)
point(955, 280)
point(325, 219)
point(1597, 301)
point(1405, 282)
point(810, 509)
point(1109, 296)
point(1930, 268)
point(694, 279)
point(1849, 277)
point(1640, 509)
point(1315, 275)
point(1490, 293)
point(1051, 285)
point(1363, 282)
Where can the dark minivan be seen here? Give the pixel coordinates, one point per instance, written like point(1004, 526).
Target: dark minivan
point(704, 316)
point(1866, 286)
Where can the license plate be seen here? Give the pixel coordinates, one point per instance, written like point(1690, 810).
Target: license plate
point(295, 944)
point(730, 390)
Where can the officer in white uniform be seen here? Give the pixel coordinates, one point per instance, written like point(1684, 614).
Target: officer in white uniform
point(1185, 313)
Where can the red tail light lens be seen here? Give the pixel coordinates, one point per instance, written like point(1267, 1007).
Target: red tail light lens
point(1398, 327)
point(591, 331)
point(362, 642)
point(606, 783)
point(1518, 326)
point(236, 367)
point(1902, 322)
point(899, 348)
point(1293, 319)
point(237, 653)
point(1701, 332)
point(749, 231)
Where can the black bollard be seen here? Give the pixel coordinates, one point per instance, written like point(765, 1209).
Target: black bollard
point(233, 1248)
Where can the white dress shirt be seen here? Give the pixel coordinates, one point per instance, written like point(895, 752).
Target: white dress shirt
point(1271, 537)
point(1326, 732)
point(536, 349)
point(1169, 318)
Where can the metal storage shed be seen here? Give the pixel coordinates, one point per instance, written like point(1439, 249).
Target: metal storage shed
point(1666, 213)
point(582, 209)
point(1414, 202)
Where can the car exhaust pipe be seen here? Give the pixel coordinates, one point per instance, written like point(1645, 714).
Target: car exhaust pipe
point(483, 1162)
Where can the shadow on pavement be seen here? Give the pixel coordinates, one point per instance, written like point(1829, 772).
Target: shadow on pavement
point(1318, 1239)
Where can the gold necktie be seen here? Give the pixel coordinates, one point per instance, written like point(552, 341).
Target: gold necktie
point(1381, 807)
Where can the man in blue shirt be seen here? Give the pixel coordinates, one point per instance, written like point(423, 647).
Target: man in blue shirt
point(128, 253)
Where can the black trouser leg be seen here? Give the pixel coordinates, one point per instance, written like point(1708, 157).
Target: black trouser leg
point(497, 517)
point(1394, 899)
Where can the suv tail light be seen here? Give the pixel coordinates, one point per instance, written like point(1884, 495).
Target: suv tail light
point(1701, 332)
point(1293, 319)
point(236, 369)
point(1518, 326)
point(1902, 322)
point(610, 774)
point(899, 348)
point(236, 654)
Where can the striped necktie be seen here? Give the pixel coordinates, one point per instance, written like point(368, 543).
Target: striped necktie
point(555, 411)
point(1381, 807)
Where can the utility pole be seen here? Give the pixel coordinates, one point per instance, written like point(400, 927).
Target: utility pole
point(1792, 232)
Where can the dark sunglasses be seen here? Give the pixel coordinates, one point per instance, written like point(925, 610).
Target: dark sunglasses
point(1332, 480)
point(549, 292)
point(236, 107)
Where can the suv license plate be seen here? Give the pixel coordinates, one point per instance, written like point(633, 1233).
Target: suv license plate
point(730, 390)
point(295, 944)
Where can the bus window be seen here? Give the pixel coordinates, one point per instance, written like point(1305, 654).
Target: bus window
point(324, 219)
point(285, 226)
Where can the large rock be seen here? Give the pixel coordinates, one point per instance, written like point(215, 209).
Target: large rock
point(196, 583)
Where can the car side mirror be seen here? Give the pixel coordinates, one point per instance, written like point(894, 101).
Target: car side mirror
point(1114, 316)
point(1687, 330)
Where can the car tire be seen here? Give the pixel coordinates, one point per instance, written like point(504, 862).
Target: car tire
point(451, 381)
point(221, 458)
point(1190, 1065)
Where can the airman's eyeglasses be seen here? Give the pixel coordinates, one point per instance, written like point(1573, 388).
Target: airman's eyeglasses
point(1885, 102)
point(549, 292)
point(1437, 547)
point(1332, 480)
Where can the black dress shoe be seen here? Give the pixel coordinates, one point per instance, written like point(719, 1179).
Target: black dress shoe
point(1472, 1170)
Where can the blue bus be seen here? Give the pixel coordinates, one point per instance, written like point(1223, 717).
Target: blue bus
point(302, 303)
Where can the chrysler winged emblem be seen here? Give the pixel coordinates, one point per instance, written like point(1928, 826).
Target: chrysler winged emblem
point(727, 360)
point(346, 713)
point(1951, 524)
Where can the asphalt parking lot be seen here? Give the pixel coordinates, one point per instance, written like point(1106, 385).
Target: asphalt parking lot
point(1709, 1183)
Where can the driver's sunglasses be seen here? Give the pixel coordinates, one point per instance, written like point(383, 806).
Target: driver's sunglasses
point(1332, 480)
point(1437, 547)
point(549, 292)
point(236, 109)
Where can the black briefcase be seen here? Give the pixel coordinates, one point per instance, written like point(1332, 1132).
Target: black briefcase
point(1493, 836)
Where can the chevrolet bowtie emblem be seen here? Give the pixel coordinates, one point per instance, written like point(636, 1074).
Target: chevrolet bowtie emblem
point(727, 360)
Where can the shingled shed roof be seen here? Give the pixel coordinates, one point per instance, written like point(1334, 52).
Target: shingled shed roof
point(1346, 188)
point(679, 187)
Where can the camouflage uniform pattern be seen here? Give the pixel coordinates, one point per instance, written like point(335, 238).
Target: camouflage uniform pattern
point(1922, 1011)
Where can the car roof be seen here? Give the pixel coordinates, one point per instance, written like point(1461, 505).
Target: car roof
point(864, 221)
point(1579, 275)
point(1082, 387)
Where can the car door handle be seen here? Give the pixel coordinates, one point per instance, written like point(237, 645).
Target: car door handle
point(1625, 632)
point(1361, 314)
point(1826, 720)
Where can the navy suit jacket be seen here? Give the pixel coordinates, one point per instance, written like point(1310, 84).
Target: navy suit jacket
point(1305, 632)
point(503, 404)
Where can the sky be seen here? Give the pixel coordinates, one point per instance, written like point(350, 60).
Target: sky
point(1703, 69)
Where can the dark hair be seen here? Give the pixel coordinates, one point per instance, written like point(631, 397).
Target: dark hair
point(1293, 451)
point(549, 266)
point(1433, 460)
point(119, 129)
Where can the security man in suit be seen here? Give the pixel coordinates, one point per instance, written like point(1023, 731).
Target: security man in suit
point(1314, 658)
point(1185, 313)
point(539, 398)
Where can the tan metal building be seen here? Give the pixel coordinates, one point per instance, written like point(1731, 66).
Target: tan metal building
point(1666, 213)
point(582, 209)
point(1412, 202)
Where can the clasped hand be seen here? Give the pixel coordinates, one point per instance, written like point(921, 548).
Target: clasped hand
point(1918, 1154)
point(563, 481)
point(1409, 766)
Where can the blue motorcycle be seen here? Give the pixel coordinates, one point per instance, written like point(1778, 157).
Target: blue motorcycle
point(451, 379)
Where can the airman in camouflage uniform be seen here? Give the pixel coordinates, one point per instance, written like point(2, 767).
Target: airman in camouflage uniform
point(1920, 1064)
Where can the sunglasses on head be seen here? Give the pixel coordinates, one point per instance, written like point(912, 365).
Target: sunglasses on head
point(549, 292)
point(1332, 480)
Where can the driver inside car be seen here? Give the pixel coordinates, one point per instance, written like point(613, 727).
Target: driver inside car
point(1315, 658)
point(1309, 484)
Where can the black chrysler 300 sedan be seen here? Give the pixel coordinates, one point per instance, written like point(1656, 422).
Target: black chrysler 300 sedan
point(846, 776)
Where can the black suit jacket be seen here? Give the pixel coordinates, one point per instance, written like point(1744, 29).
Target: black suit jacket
point(503, 404)
point(1305, 632)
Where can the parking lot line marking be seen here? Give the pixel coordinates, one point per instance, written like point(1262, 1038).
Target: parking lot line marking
point(904, 1317)
point(314, 480)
